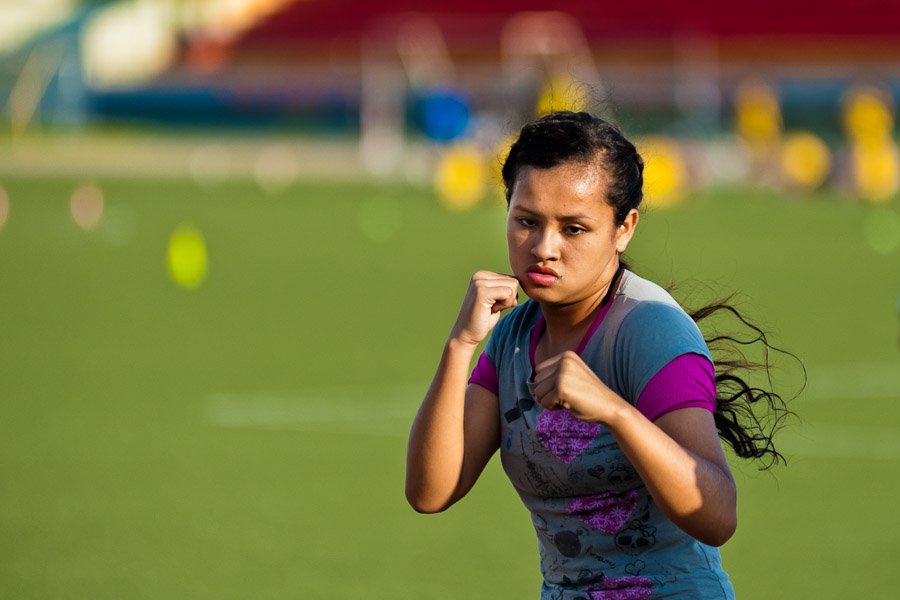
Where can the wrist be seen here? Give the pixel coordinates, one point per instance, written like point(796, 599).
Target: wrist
point(460, 345)
point(621, 415)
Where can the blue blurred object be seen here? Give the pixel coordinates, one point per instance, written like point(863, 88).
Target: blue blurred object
point(210, 105)
point(443, 114)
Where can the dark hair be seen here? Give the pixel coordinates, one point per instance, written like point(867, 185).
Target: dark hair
point(568, 137)
point(746, 416)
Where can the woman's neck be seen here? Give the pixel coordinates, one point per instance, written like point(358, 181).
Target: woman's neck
point(566, 325)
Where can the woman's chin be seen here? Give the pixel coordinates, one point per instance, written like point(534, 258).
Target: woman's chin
point(543, 295)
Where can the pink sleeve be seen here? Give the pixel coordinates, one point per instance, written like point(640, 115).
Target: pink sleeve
point(485, 374)
point(688, 380)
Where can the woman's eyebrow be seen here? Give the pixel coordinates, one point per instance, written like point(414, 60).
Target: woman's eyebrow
point(564, 218)
point(576, 217)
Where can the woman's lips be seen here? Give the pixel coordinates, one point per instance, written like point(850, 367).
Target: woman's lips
point(542, 276)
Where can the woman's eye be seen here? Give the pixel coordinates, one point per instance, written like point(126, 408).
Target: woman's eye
point(575, 230)
point(526, 222)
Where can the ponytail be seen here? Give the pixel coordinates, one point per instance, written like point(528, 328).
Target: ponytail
point(747, 416)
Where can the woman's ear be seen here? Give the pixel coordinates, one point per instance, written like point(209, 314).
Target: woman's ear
point(626, 230)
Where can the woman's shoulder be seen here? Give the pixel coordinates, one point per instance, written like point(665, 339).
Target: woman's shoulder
point(647, 311)
point(637, 289)
point(645, 330)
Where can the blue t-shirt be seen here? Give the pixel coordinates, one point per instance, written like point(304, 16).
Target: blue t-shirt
point(600, 534)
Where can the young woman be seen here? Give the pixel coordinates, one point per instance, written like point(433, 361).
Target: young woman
point(599, 392)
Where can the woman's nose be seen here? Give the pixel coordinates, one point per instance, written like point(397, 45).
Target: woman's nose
point(546, 244)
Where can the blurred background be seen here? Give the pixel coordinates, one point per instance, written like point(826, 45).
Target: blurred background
point(235, 233)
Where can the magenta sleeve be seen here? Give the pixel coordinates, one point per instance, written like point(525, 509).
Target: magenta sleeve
point(485, 374)
point(688, 380)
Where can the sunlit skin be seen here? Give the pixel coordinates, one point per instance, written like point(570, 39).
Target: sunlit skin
point(564, 246)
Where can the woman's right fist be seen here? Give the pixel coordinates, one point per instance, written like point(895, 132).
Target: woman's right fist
point(489, 293)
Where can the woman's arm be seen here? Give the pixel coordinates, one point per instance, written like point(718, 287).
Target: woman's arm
point(450, 444)
point(680, 459)
point(457, 428)
point(679, 456)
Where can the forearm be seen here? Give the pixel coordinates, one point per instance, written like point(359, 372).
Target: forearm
point(436, 452)
point(697, 494)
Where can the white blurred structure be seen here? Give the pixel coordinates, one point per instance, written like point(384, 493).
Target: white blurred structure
point(20, 20)
point(548, 51)
point(396, 56)
point(129, 42)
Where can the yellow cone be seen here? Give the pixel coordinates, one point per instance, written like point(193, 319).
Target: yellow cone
point(665, 174)
point(805, 160)
point(461, 177)
point(868, 115)
point(876, 170)
point(562, 92)
point(758, 114)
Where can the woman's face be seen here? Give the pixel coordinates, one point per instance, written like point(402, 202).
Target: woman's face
point(562, 236)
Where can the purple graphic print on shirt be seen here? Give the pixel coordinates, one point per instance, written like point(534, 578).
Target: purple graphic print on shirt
point(565, 435)
point(606, 512)
point(623, 588)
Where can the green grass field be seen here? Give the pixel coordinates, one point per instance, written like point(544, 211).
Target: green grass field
point(247, 439)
